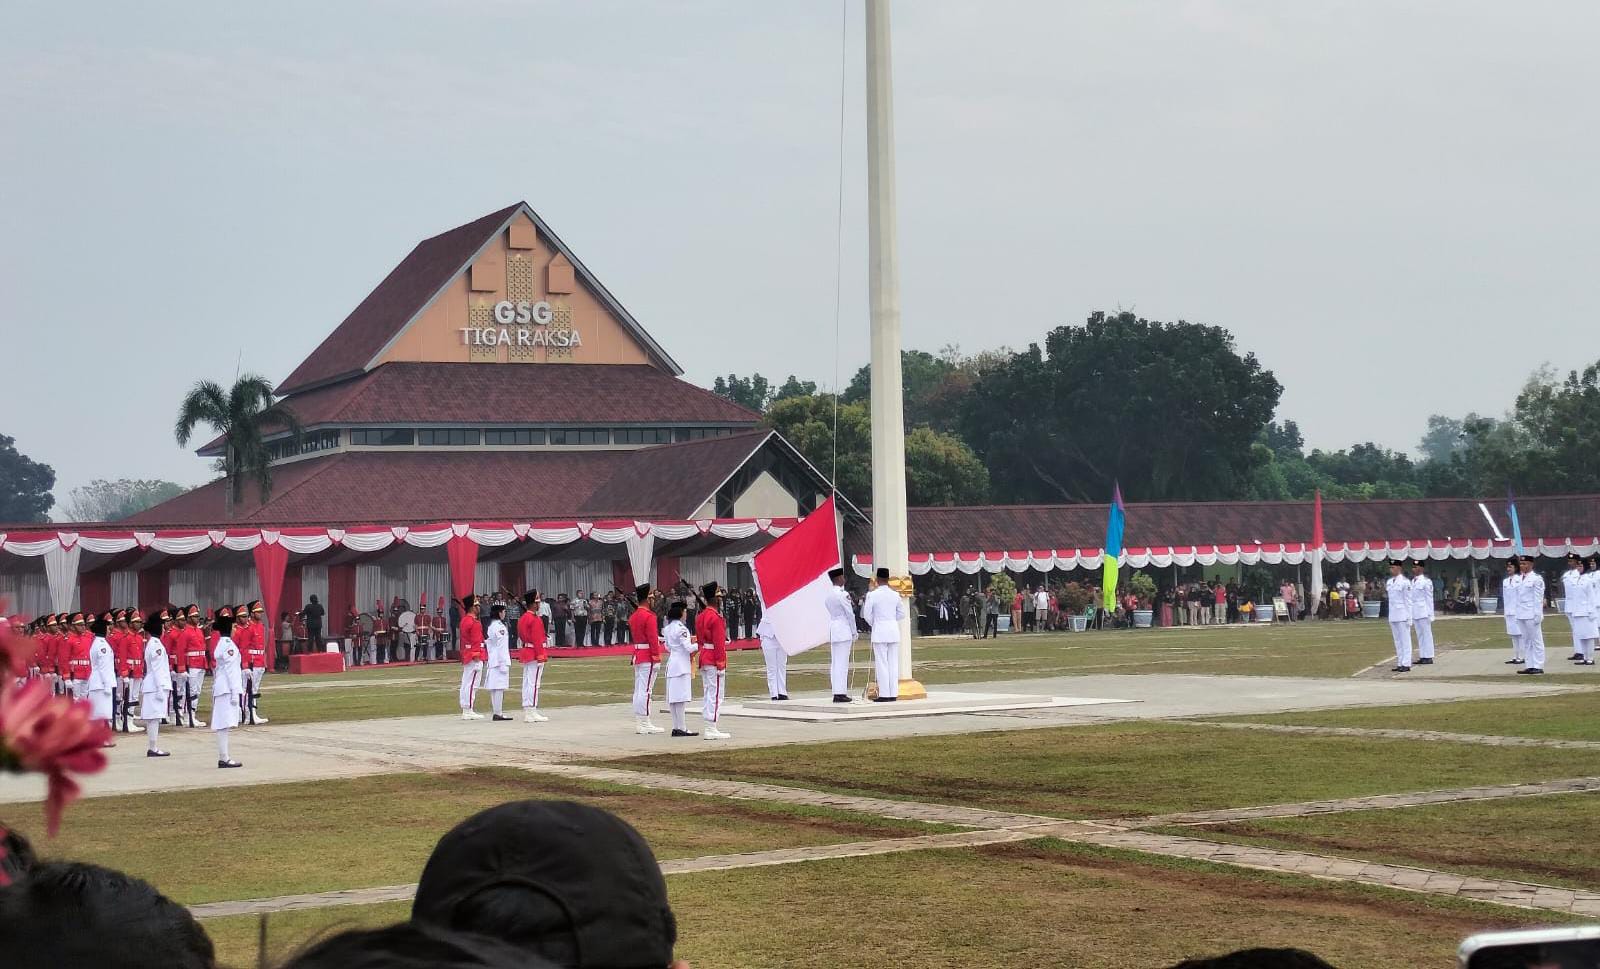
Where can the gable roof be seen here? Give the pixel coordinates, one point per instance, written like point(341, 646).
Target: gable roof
point(354, 346)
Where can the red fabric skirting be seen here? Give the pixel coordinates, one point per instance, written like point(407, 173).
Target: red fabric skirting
point(316, 663)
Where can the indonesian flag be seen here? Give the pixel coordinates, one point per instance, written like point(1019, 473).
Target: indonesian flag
point(792, 580)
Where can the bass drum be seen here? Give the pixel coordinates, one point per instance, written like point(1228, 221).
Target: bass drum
point(407, 621)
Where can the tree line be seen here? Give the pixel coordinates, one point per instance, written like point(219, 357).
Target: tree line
point(1174, 411)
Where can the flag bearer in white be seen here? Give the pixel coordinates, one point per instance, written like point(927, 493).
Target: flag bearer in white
point(1508, 592)
point(883, 609)
point(841, 636)
point(156, 687)
point(1588, 623)
point(1574, 593)
point(776, 659)
point(1530, 615)
point(497, 667)
point(1422, 612)
point(1399, 590)
point(680, 669)
point(102, 683)
point(227, 686)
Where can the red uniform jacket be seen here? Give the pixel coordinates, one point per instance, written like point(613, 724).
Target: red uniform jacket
point(646, 635)
point(78, 663)
point(713, 635)
point(472, 648)
point(118, 639)
point(133, 658)
point(193, 646)
point(253, 647)
point(530, 632)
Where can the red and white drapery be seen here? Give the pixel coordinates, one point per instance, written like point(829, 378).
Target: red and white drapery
point(1269, 553)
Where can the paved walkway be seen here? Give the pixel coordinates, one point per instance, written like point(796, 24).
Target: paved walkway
point(1377, 802)
point(1389, 733)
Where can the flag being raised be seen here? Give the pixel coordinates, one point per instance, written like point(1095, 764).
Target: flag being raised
point(791, 577)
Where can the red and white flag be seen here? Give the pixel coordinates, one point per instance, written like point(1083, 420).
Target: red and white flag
point(792, 580)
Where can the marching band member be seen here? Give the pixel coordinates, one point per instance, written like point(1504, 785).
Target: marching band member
point(78, 656)
point(1507, 597)
point(646, 639)
point(254, 653)
point(1530, 615)
point(1574, 593)
point(441, 630)
point(48, 646)
point(883, 609)
point(497, 661)
point(472, 656)
point(178, 699)
point(1422, 611)
point(680, 669)
point(156, 686)
point(776, 660)
point(841, 636)
point(713, 632)
point(227, 684)
point(101, 682)
point(532, 654)
point(196, 660)
point(1398, 588)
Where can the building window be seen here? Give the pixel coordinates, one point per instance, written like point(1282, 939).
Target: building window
point(447, 436)
point(642, 435)
point(576, 435)
point(382, 437)
point(310, 443)
point(701, 433)
point(521, 435)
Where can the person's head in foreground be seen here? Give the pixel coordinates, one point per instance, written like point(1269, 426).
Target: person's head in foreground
point(566, 882)
point(411, 946)
point(66, 914)
point(1258, 959)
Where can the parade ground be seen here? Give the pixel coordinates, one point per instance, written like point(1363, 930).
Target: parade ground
point(1089, 799)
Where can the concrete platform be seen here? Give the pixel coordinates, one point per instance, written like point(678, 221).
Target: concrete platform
point(820, 708)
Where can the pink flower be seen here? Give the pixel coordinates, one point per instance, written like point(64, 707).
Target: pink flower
point(15, 652)
point(51, 735)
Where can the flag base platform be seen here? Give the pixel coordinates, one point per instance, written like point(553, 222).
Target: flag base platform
point(912, 690)
point(821, 708)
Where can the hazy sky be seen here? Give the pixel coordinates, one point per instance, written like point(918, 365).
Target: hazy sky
point(1396, 205)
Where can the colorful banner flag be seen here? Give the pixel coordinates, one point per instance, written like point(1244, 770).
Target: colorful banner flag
point(1516, 526)
point(792, 581)
point(1113, 549)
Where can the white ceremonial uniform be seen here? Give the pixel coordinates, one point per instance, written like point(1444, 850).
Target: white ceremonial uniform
point(1575, 595)
point(680, 662)
point(1422, 614)
point(841, 638)
point(1399, 590)
point(777, 661)
point(156, 686)
point(883, 609)
point(1508, 607)
point(102, 679)
point(227, 685)
point(497, 669)
point(1530, 616)
point(1587, 623)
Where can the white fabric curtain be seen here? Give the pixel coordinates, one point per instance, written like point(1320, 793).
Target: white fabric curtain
point(409, 582)
point(125, 589)
point(27, 593)
point(313, 582)
point(700, 569)
point(556, 576)
point(61, 571)
point(485, 579)
point(210, 588)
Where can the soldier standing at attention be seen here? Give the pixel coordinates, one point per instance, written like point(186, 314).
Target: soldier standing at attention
point(883, 609)
point(712, 630)
point(1398, 588)
point(841, 636)
point(646, 638)
point(472, 656)
point(1530, 615)
point(1508, 591)
point(1422, 611)
point(532, 654)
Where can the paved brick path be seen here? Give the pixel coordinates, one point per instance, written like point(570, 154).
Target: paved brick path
point(1388, 733)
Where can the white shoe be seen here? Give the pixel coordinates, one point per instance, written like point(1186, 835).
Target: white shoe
point(471, 715)
point(642, 728)
point(534, 716)
point(199, 723)
point(712, 733)
point(261, 719)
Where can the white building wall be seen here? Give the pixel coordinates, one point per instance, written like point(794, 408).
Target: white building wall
point(765, 498)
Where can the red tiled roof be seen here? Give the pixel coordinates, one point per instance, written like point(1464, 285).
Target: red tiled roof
point(376, 487)
point(1184, 524)
point(402, 294)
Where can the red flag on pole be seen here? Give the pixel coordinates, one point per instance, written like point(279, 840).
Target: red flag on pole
point(792, 579)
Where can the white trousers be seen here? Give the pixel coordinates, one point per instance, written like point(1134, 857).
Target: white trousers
point(839, 669)
point(197, 679)
point(1517, 649)
point(777, 667)
point(1533, 642)
point(1402, 642)
point(644, 683)
point(713, 687)
point(532, 677)
point(1424, 628)
point(886, 664)
point(471, 679)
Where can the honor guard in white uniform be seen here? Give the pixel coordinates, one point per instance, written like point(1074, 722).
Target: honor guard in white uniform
point(227, 686)
point(883, 609)
point(1574, 595)
point(156, 686)
point(1422, 611)
point(680, 669)
point(497, 667)
point(776, 660)
point(1530, 615)
point(1586, 624)
point(1399, 591)
point(1508, 594)
point(102, 683)
point(841, 636)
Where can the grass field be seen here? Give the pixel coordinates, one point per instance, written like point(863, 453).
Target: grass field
point(1566, 716)
point(1040, 903)
point(1549, 839)
point(325, 835)
point(1129, 769)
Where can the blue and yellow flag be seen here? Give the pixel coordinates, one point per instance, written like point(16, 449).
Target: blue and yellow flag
point(1516, 526)
point(1113, 549)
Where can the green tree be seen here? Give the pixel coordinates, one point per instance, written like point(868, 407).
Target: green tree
point(794, 387)
point(1172, 410)
point(109, 501)
point(24, 485)
point(1444, 437)
point(752, 393)
point(932, 387)
point(942, 470)
point(243, 416)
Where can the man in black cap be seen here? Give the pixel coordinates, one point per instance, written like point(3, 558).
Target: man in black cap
point(883, 610)
point(1398, 590)
point(1575, 602)
point(645, 633)
point(1422, 611)
point(1529, 606)
point(841, 636)
point(566, 882)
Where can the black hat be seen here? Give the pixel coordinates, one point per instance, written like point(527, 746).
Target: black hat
point(1574, 557)
point(468, 601)
point(883, 575)
point(529, 596)
point(642, 590)
point(1418, 564)
point(709, 590)
point(583, 884)
point(1396, 564)
point(835, 573)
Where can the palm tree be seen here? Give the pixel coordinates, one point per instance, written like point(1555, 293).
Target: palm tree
point(243, 416)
